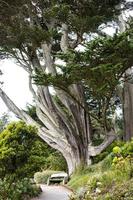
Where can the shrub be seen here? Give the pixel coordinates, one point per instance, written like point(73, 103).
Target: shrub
point(107, 151)
point(23, 153)
point(55, 161)
point(42, 177)
point(17, 190)
point(127, 149)
point(123, 160)
point(21, 150)
point(116, 150)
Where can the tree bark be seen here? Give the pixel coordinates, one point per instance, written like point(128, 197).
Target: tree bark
point(128, 106)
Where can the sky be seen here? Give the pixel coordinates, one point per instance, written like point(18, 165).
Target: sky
point(15, 84)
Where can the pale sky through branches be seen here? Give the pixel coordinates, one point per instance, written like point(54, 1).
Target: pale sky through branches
point(15, 84)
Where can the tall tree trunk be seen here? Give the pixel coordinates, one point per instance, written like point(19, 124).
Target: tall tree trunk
point(127, 96)
point(128, 106)
point(71, 139)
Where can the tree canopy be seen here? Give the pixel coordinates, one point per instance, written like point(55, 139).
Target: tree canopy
point(38, 34)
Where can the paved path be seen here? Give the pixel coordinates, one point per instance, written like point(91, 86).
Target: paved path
point(53, 193)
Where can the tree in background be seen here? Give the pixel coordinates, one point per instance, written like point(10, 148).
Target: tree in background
point(22, 152)
point(127, 94)
point(37, 34)
point(4, 120)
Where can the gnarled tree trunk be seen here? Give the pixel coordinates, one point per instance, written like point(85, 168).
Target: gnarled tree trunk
point(68, 129)
point(71, 138)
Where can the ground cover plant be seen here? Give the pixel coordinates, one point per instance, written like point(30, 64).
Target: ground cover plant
point(110, 179)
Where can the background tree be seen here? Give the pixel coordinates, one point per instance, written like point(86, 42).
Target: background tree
point(4, 120)
point(127, 95)
point(36, 33)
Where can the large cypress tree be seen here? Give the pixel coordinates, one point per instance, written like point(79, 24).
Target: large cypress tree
point(36, 33)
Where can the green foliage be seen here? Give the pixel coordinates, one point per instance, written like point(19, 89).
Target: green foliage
point(31, 110)
point(55, 161)
point(107, 151)
point(17, 142)
point(104, 57)
point(127, 149)
point(123, 159)
point(123, 149)
point(42, 177)
point(116, 150)
point(22, 152)
point(23, 189)
point(81, 18)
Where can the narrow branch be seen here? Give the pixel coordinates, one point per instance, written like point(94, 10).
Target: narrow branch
point(19, 113)
point(31, 87)
point(64, 44)
point(9, 103)
point(96, 150)
point(21, 62)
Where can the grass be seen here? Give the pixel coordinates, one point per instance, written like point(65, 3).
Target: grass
point(102, 180)
point(82, 175)
point(78, 181)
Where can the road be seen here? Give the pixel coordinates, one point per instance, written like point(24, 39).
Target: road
point(53, 193)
